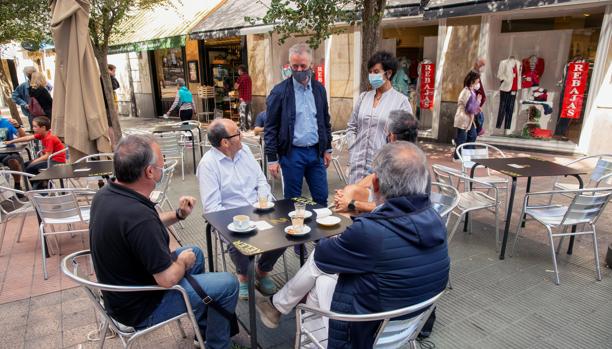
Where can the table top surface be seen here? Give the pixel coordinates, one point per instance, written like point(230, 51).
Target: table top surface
point(12, 148)
point(173, 128)
point(82, 169)
point(260, 241)
point(528, 167)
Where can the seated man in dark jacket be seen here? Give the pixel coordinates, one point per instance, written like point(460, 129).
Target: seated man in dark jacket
point(393, 257)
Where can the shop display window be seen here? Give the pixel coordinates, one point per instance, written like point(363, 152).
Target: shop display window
point(538, 76)
point(170, 66)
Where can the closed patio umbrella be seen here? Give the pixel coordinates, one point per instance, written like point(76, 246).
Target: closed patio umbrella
point(79, 115)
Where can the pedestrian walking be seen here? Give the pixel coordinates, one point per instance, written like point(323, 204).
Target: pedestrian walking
point(467, 107)
point(479, 67)
point(368, 126)
point(184, 101)
point(41, 102)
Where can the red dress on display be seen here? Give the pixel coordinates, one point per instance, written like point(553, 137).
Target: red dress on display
point(532, 71)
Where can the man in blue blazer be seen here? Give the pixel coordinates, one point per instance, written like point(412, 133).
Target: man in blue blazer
point(298, 130)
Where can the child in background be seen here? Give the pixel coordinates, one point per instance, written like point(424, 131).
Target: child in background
point(41, 126)
point(9, 129)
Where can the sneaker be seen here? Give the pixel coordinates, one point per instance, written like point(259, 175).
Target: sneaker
point(243, 291)
point(265, 285)
point(268, 314)
point(165, 116)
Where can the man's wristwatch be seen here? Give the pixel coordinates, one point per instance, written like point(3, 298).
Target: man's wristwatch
point(351, 205)
point(178, 215)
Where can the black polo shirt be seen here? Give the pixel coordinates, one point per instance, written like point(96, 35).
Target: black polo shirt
point(129, 244)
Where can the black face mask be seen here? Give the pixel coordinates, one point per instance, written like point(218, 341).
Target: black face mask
point(301, 76)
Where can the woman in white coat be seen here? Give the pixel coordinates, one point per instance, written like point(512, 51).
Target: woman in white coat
point(465, 127)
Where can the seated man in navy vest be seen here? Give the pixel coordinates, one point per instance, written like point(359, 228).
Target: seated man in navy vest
point(390, 258)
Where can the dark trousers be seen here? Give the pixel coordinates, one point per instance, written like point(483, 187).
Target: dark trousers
point(35, 169)
point(306, 163)
point(464, 136)
point(506, 108)
point(479, 120)
point(265, 264)
point(186, 114)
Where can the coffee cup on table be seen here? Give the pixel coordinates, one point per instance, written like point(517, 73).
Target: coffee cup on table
point(241, 221)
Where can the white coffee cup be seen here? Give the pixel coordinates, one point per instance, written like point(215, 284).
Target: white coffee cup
point(241, 221)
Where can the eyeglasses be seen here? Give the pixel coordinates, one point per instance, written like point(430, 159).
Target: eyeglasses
point(232, 136)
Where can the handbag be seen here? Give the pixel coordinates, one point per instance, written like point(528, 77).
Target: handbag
point(231, 317)
point(472, 106)
point(35, 108)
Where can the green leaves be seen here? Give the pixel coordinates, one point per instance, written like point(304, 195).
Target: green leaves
point(317, 18)
point(24, 21)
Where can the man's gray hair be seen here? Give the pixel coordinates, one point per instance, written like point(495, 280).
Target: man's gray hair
point(180, 82)
point(401, 168)
point(132, 155)
point(29, 70)
point(403, 125)
point(216, 132)
point(300, 49)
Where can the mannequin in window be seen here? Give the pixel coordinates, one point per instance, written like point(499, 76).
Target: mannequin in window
point(533, 69)
point(508, 73)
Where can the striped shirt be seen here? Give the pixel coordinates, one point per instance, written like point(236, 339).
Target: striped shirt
point(368, 129)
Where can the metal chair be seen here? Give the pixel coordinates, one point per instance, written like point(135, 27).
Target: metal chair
point(49, 163)
point(206, 93)
point(444, 199)
point(159, 194)
point(391, 333)
point(585, 208)
point(476, 150)
point(171, 148)
point(471, 199)
point(601, 173)
point(128, 335)
point(13, 206)
point(340, 145)
point(66, 206)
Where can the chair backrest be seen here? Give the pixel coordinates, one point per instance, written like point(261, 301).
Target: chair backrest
point(54, 155)
point(96, 157)
point(169, 144)
point(169, 167)
point(444, 198)
point(255, 148)
point(444, 175)
point(603, 168)
point(58, 203)
point(476, 150)
point(586, 206)
point(206, 91)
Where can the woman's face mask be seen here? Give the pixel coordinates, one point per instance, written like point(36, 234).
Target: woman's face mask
point(376, 80)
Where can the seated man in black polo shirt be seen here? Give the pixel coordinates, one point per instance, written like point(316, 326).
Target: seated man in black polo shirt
point(130, 247)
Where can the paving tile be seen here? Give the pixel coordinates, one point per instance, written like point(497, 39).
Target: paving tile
point(42, 328)
point(52, 341)
point(77, 335)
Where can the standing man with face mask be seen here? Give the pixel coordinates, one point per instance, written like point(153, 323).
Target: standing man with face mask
point(298, 129)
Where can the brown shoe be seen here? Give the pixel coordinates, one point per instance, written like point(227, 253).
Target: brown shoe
point(268, 314)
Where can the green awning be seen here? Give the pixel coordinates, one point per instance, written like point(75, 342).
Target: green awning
point(154, 44)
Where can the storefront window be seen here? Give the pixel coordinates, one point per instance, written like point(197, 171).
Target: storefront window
point(537, 81)
point(416, 51)
point(224, 57)
point(169, 67)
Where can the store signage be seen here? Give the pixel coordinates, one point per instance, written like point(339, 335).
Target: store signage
point(427, 74)
point(575, 86)
point(319, 71)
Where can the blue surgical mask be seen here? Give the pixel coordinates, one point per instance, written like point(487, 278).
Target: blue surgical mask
point(376, 80)
point(301, 76)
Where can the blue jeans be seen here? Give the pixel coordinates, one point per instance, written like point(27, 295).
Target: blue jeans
point(479, 119)
point(464, 136)
point(306, 163)
point(222, 287)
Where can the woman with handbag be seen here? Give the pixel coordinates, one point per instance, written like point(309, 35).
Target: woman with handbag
point(468, 106)
point(41, 102)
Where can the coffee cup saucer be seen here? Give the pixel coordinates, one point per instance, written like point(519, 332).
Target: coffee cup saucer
point(306, 229)
point(235, 229)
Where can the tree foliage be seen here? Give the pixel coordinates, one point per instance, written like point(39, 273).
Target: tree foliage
point(322, 18)
point(105, 22)
point(24, 21)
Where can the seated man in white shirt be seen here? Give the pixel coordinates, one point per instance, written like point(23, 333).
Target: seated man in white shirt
point(230, 177)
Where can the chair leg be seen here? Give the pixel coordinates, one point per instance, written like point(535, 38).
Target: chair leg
point(554, 255)
point(561, 240)
point(497, 244)
point(223, 255)
point(183, 168)
point(452, 232)
point(181, 330)
point(596, 251)
point(23, 218)
point(450, 283)
point(2, 233)
point(102, 333)
point(285, 267)
point(41, 230)
point(518, 231)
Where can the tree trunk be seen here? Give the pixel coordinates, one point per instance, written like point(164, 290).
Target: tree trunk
point(134, 107)
point(115, 133)
point(370, 35)
point(7, 91)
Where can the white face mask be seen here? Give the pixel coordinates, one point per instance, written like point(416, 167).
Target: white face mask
point(477, 87)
